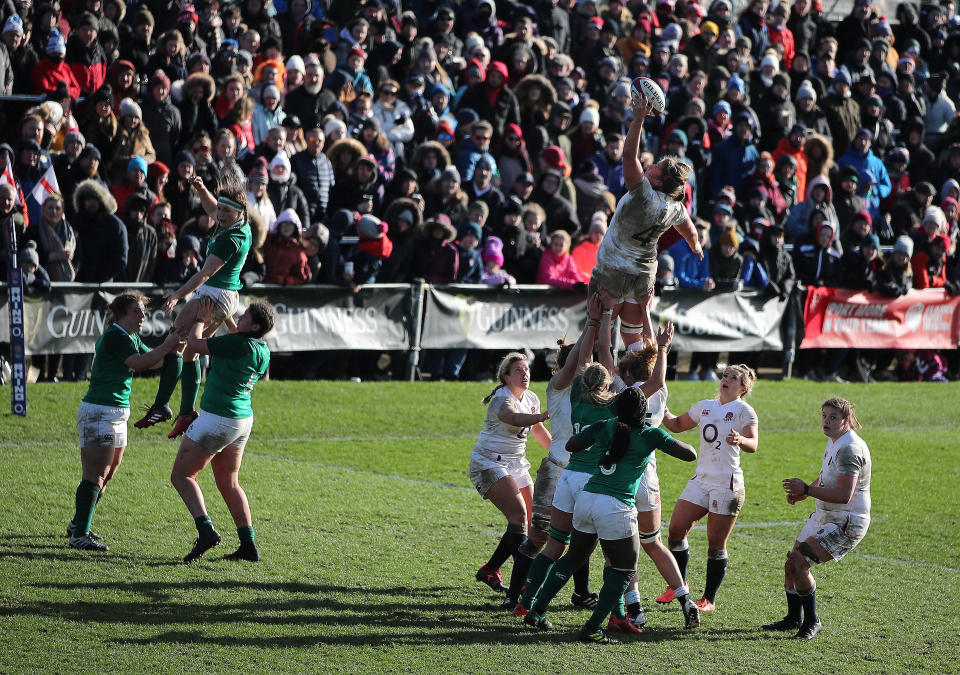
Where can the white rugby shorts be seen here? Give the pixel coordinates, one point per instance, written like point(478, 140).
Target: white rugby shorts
point(213, 433)
point(715, 499)
point(486, 470)
point(102, 426)
point(568, 490)
point(648, 492)
point(607, 517)
point(225, 303)
point(837, 539)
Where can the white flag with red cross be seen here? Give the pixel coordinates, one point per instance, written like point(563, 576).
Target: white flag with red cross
point(46, 186)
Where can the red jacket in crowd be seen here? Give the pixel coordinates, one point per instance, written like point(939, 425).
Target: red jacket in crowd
point(47, 75)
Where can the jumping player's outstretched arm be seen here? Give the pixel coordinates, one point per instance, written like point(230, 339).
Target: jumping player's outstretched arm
point(689, 233)
point(582, 349)
point(632, 169)
point(659, 375)
point(207, 198)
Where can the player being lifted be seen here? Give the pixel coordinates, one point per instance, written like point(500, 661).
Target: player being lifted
point(219, 280)
point(627, 258)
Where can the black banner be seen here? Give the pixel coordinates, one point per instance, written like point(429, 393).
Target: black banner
point(73, 316)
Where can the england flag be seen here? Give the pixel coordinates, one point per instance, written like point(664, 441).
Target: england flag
point(46, 186)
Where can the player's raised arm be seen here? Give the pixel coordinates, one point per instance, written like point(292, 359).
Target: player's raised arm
point(689, 233)
point(632, 168)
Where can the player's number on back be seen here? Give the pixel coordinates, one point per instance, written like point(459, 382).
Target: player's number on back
point(711, 435)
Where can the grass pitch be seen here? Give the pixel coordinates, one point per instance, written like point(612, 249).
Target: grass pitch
point(370, 535)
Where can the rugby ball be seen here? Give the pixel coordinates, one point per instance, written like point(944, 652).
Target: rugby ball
point(644, 87)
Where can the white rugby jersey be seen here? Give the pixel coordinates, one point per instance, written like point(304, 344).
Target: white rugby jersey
point(503, 439)
point(719, 463)
point(561, 428)
point(642, 215)
point(847, 456)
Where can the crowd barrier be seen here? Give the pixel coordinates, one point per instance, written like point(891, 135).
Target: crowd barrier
point(412, 317)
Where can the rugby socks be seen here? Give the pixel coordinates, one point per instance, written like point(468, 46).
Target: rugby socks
point(189, 386)
point(536, 575)
point(794, 606)
point(681, 553)
point(682, 595)
point(521, 567)
point(808, 600)
point(169, 376)
point(244, 533)
point(632, 601)
point(615, 582)
point(509, 542)
point(85, 503)
point(205, 526)
point(556, 580)
point(581, 580)
point(716, 569)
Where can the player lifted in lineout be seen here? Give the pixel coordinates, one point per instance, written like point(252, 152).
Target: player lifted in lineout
point(627, 258)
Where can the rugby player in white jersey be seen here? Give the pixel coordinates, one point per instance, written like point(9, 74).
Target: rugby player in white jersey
point(840, 521)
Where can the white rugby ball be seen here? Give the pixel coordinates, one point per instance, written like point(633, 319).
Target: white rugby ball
point(644, 87)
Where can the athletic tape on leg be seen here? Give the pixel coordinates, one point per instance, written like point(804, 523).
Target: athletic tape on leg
point(562, 537)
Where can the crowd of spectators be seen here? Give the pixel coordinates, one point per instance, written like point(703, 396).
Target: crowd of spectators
point(477, 141)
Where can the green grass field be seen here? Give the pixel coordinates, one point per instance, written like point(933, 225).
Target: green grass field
point(370, 535)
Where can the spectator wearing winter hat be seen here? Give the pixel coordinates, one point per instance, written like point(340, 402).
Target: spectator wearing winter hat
point(52, 69)
point(584, 254)
point(133, 139)
point(84, 54)
point(726, 261)
point(36, 281)
point(161, 117)
point(491, 100)
point(481, 188)
point(493, 272)
point(860, 156)
point(283, 190)
point(751, 24)
point(257, 198)
point(557, 267)
point(470, 266)
point(736, 157)
point(283, 251)
point(792, 146)
point(267, 113)
point(395, 116)
point(435, 257)
point(842, 111)
point(62, 162)
point(134, 183)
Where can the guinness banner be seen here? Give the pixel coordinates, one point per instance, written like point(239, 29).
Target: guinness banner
point(385, 317)
point(308, 317)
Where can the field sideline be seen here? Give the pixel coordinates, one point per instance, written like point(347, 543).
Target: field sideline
point(370, 534)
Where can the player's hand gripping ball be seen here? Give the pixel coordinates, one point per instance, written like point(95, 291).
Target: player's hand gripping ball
point(645, 88)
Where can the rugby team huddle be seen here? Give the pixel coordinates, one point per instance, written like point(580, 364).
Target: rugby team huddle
point(599, 479)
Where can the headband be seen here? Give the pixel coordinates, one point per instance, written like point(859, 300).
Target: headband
point(229, 203)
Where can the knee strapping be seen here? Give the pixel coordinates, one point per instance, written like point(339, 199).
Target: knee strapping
point(650, 537)
point(541, 522)
point(807, 591)
point(629, 574)
point(717, 554)
point(515, 528)
point(528, 548)
point(808, 553)
point(630, 328)
point(681, 545)
point(562, 537)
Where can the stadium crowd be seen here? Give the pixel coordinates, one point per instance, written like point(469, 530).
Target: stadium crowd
point(481, 141)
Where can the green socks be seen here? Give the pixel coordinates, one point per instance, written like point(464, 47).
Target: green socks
point(245, 533)
point(86, 501)
point(558, 577)
point(205, 526)
point(189, 386)
point(535, 577)
point(615, 583)
point(169, 376)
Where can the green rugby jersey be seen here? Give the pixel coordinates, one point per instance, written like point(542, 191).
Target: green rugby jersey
point(110, 377)
point(622, 479)
point(582, 415)
point(231, 246)
point(236, 363)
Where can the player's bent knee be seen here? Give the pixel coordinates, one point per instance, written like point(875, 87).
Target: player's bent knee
point(805, 556)
point(540, 523)
point(677, 544)
point(562, 537)
point(529, 547)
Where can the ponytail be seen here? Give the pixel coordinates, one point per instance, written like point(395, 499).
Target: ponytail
point(631, 414)
point(502, 371)
point(595, 383)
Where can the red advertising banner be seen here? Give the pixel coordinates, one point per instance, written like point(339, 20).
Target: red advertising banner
point(927, 319)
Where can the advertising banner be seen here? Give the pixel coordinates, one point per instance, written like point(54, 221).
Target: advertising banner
point(71, 318)
point(716, 322)
point(835, 318)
